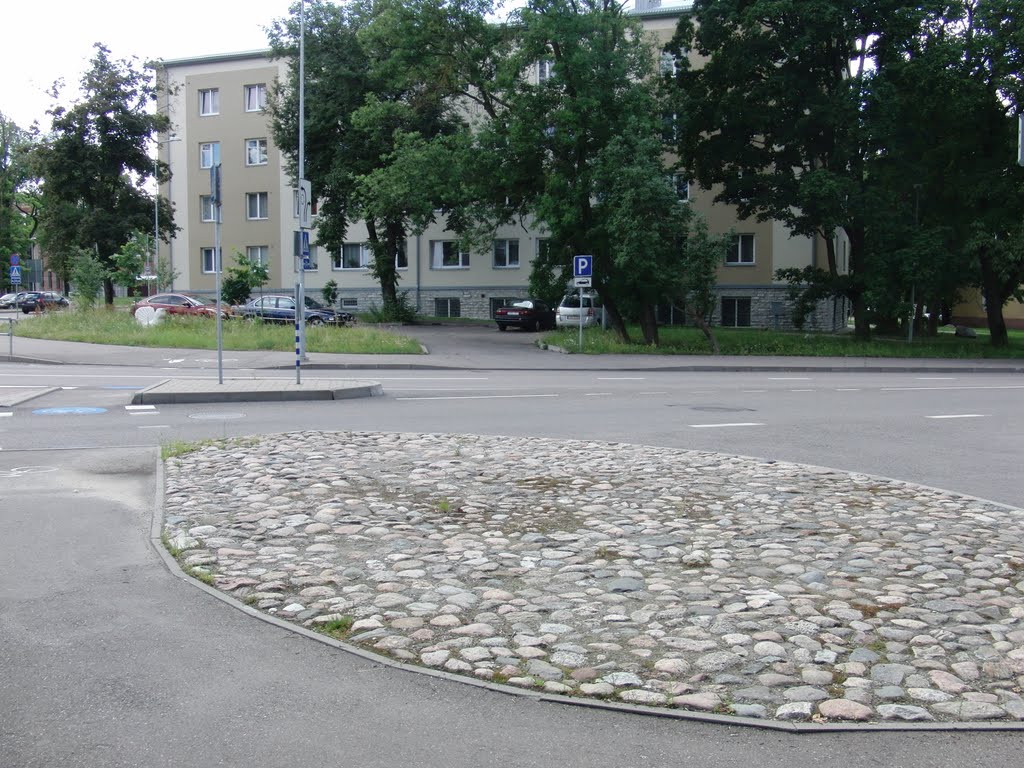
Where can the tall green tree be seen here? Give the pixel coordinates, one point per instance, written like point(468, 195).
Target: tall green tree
point(774, 118)
point(378, 138)
point(19, 199)
point(95, 165)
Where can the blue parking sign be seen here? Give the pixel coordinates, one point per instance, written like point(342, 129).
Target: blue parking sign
point(582, 266)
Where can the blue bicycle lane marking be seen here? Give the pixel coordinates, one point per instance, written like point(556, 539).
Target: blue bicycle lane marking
point(69, 411)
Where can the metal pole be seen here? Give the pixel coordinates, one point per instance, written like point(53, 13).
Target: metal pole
point(581, 319)
point(300, 292)
point(156, 216)
point(216, 269)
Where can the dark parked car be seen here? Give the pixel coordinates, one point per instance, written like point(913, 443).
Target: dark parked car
point(281, 309)
point(528, 314)
point(182, 304)
point(12, 300)
point(43, 300)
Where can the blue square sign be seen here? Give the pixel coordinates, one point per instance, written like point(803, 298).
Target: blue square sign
point(582, 266)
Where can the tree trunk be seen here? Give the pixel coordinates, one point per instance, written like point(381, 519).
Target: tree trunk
point(384, 262)
point(861, 324)
point(614, 318)
point(702, 322)
point(992, 290)
point(649, 325)
point(108, 291)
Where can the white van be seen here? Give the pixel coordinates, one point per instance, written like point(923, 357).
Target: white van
point(568, 313)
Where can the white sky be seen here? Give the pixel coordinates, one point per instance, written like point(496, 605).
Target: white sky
point(50, 39)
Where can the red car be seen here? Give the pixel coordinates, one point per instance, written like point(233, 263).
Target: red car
point(181, 304)
point(528, 314)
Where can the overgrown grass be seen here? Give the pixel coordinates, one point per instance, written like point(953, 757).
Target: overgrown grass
point(748, 341)
point(102, 326)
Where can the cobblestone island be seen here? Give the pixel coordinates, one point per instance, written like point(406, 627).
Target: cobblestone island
point(645, 575)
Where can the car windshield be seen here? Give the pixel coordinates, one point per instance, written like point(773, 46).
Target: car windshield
point(313, 303)
point(203, 300)
point(573, 302)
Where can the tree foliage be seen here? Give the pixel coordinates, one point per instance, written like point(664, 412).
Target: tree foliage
point(95, 164)
point(19, 199)
point(242, 279)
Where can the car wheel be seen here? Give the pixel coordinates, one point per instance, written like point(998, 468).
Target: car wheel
point(314, 321)
point(502, 327)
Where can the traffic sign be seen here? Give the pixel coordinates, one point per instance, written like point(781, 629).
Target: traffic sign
point(15, 260)
point(302, 250)
point(581, 282)
point(15, 274)
point(304, 204)
point(582, 266)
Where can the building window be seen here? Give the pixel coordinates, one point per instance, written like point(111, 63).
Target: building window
point(498, 302)
point(256, 205)
point(506, 254)
point(258, 254)
point(681, 185)
point(256, 97)
point(209, 101)
point(735, 312)
point(545, 70)
point(447, 308)
point(209, 154)
point(207, 210)
point(352, 256)
point(209, 262)
point(670, 127)
point(445, 254)
point(255, 151)
point(741, 250)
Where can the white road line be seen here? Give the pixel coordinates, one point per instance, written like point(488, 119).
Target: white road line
point(597, 394)
point(6, 413)
point(959, 416)
point(735, 424)
point(753, 391)
point(473, 397)
point(941, 389)
point(847, 389)
point(935, 378)
point(801, 390)
point(155, 426)
point(652, 393)
point(143, 413)
point(789, 378)
point(140, 407)
point(621, 378)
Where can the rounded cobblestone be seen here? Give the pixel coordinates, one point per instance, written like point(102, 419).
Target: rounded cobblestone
point(654, 576)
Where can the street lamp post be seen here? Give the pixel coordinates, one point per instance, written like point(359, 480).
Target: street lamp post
point(156, 205)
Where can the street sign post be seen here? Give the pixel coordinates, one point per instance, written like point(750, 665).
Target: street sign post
point(582, 274)
point(15, 274)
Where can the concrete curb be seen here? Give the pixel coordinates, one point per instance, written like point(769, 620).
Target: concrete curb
point(23, 398)
point(186, 391)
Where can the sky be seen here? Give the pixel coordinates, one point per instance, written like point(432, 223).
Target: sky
point(54, 39)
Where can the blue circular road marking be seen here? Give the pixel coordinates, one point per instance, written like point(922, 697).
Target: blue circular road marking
point(72, 411)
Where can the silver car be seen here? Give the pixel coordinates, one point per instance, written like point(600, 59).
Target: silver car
point(568, 313)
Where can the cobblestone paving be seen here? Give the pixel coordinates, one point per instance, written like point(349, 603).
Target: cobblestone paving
point(645, 575)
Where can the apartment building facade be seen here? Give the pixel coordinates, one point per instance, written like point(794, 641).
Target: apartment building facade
point(216, 108)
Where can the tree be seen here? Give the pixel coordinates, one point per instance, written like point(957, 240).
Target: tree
point(330, 293)
point(87, 273)
point(95, 164)
point(775, 120)
point(376, 136)
point(19, 201)
point(127, 264)
point(579, 150)
point(241, 279)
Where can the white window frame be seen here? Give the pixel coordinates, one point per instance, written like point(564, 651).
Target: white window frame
point(260, 252)
point(503, 252)
point(209, 102)
point(338, 263)
point(207, 210)
point(209, 154)
point(545, 70)
point(261, 207)
point(740, 256)
point(260, 91)
point(438, 255)
point(255, 148)
point(681, 185)
point(207, 261)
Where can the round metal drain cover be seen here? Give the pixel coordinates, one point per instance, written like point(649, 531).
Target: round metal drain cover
point(216, 416)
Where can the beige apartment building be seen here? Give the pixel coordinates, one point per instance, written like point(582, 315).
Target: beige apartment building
point(216, 107)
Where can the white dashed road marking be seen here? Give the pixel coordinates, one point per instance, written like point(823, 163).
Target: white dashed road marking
point(958, 416)
point(735, 424)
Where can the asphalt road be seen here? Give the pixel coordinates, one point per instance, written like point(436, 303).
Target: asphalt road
point(108, 659)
